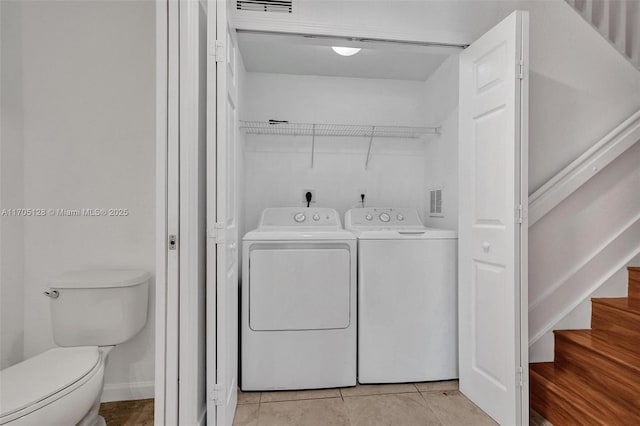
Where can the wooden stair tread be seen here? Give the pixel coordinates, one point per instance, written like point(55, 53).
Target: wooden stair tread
point(597, 341)
point(622, 303)
point(575, 400)
point(595, 379)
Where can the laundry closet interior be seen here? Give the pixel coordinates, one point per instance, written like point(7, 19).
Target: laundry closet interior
point(374, 130)
point(409, 91)
point(353, 182)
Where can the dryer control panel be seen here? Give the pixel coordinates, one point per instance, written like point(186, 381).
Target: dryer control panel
point(300, 217)
point(370, 218)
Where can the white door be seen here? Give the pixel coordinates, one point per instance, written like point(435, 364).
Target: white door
point(492, 227)
point(192, 229)
point(168, 213)
point(222, 244)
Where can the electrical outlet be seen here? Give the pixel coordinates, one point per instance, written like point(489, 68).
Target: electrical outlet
point(304, 196)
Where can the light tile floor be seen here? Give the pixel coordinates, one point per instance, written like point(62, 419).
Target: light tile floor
point(435, 403)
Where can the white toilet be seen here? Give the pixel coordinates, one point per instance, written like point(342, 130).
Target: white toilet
point(91, 312)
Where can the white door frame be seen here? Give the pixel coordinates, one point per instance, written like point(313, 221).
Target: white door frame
point(167, 214)
point(192, 237)
point(167, 217)
point(179, 192)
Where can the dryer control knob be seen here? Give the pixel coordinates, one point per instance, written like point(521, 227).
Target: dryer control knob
point(400, 217)
point(299, 217)
point(316, 217)
point(385, 217)
point(368, 217)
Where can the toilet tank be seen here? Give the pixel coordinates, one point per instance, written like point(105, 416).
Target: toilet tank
point(99, 307)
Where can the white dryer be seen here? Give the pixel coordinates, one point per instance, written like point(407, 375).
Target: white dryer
point(407, 297)
point(298, 302)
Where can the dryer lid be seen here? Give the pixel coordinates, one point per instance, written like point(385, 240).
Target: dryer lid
point(37, 378)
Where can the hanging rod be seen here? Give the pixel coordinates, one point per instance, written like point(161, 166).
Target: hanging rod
point(274, 127)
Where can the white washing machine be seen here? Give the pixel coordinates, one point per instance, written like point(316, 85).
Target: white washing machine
point(298, 313)
point(407, 297)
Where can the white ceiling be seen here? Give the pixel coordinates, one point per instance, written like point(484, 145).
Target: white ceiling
point(293, 54)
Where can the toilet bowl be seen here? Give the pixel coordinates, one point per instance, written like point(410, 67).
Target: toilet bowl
point(91, 312)
point(61, 384)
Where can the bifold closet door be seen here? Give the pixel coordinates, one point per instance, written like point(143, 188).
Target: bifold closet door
point(191, 239)
point(222, 220)
point(492, 225)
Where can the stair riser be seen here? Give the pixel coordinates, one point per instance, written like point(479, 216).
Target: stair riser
point(614, 320)
point(634, 284)
point(560, 409)
point(555, 409)
point(612, 377)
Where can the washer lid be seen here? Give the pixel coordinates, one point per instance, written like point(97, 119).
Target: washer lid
point(100, 278)
point(37, 378)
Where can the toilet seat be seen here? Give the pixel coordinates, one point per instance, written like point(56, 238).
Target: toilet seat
point(45, 378)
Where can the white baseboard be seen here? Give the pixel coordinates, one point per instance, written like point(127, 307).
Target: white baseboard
point(127, 391)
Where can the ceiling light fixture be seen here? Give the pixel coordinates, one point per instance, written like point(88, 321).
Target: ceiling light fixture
point(345, 51)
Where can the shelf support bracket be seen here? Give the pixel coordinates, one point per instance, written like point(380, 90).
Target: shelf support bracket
point(313, 144)
point(373, 131)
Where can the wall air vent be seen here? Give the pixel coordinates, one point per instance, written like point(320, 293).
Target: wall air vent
point(281, 6)
point(435, 202)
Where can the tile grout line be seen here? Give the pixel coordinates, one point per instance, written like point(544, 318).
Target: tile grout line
point(383, 393)
point(303, 399)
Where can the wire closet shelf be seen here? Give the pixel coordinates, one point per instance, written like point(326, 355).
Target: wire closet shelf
point(286, 128)
point(273, 127)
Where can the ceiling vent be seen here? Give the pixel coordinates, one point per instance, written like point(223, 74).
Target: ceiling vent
point(281, 6)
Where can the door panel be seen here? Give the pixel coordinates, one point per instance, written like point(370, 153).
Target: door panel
point(192, 232)
point(222, 229)
point(226, 211)
point(492, 235)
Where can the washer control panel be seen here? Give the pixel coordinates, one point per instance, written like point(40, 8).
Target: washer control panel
point(382, 218)
point(300, 216)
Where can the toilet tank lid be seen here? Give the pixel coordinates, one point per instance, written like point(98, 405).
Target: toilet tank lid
point(43, 375)
point(100, 278)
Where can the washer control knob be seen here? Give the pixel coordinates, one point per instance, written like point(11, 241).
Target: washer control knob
point(299, 217)
point(368, 217)
point(400, 217)
point(316, 217)
point(384, 217)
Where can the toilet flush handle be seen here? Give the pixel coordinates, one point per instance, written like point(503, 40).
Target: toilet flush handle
point(52, 294)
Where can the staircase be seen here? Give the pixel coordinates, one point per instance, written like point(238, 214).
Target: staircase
point(595, 378)
point(617, 20)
